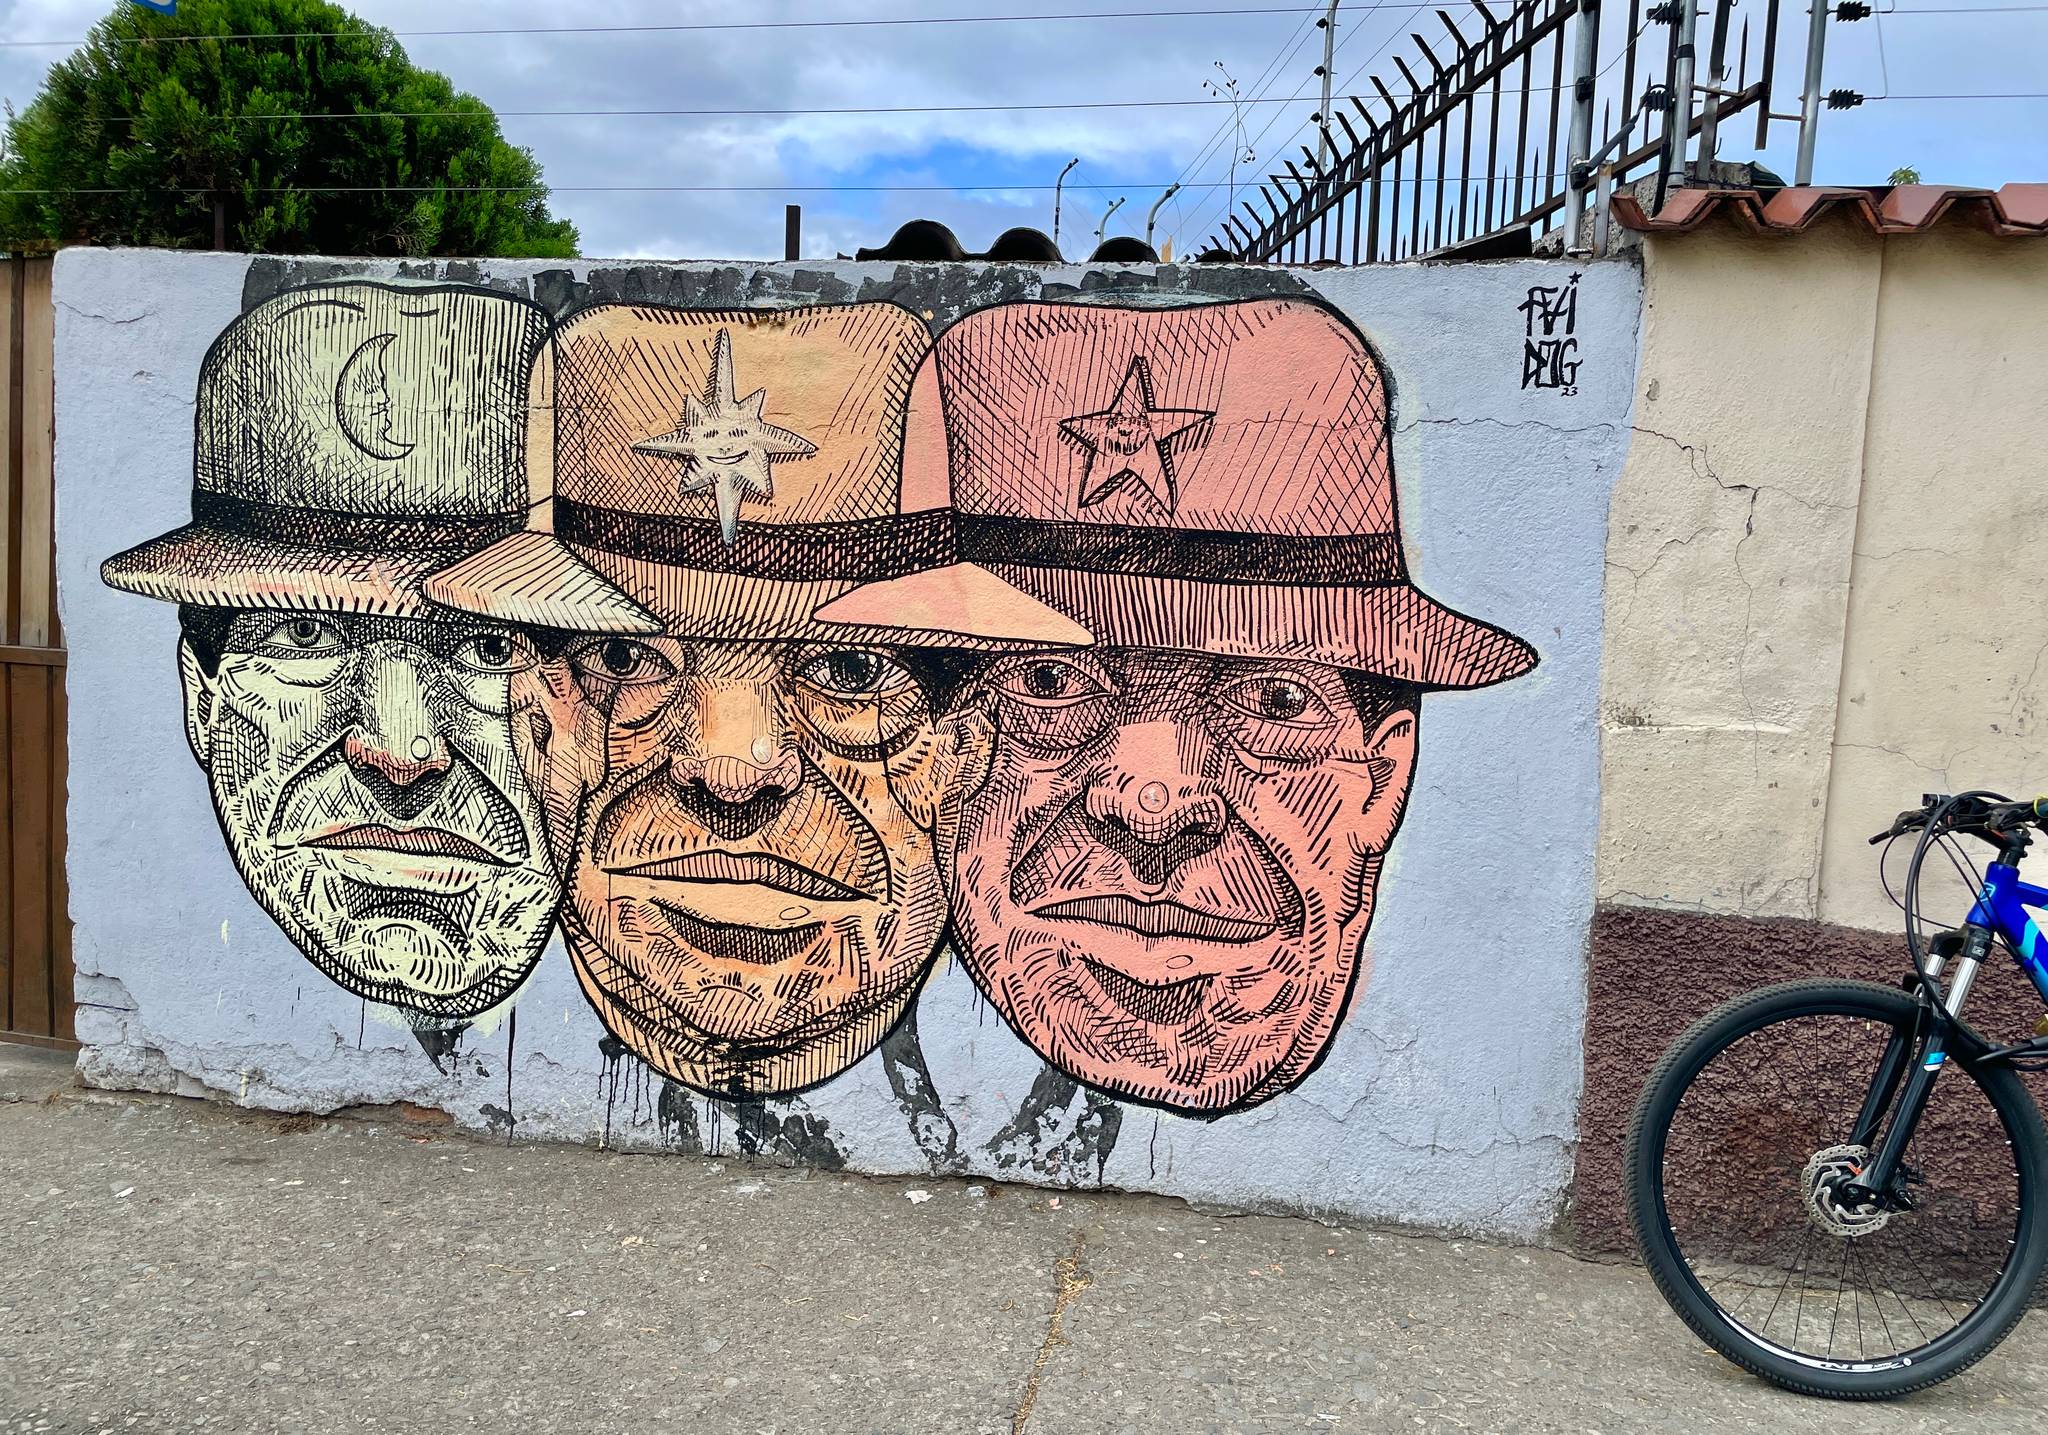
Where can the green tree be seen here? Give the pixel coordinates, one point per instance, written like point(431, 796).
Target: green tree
point(143, 138)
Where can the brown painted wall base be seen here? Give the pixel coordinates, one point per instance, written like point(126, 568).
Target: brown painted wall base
point(1652, 972)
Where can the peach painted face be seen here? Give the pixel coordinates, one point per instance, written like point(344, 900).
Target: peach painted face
point(1165, 884)
point(753, 884)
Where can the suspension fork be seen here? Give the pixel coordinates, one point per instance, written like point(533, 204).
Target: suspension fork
point(1874, 1182)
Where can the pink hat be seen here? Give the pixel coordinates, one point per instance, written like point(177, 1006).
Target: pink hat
point(1216, 478)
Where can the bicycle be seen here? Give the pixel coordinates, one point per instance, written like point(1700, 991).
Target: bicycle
point(1796, 1106)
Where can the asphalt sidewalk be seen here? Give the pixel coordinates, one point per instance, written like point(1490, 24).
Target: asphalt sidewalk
point(170, 1265)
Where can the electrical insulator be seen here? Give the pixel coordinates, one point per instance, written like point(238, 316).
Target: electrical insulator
point(1843, 99)
point(1852, 10)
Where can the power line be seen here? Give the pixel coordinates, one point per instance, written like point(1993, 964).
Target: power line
point(649, 188)
point(1389, 39)
point(694, 27)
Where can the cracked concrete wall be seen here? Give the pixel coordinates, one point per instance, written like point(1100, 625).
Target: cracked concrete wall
point(1728, 570)
point(1941, 680)
point(1819, 558)
point(1450, 1095)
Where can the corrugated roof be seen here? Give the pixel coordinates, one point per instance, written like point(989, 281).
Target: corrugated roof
point(2013, 211)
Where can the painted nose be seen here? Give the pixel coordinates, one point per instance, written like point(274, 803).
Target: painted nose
point(396, 750)
point(1150, 805)
point(743, 767)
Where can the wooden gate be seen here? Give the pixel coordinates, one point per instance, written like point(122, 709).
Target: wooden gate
point(35, 927)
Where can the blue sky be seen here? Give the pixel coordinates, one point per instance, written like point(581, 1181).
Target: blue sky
point(1128, 152)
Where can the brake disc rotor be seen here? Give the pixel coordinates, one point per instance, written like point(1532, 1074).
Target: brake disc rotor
point(1825, 1172)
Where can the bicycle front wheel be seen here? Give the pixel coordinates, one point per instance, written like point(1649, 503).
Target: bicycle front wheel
point(1738, 1139)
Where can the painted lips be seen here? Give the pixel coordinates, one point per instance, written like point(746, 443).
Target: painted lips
point(749, 868)
point(413, 841)
point(1156, 919)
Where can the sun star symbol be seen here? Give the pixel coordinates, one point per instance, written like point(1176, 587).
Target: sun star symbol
point(725, 445)
point(1127, 442)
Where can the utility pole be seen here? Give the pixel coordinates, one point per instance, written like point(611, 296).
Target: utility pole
point(1056, 200)
point(1579, 149)
point(1329, 28)
point(1153, 217)
point(1681, 84)
point(1809, 100)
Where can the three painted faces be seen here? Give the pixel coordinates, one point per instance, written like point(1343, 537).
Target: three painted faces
point(1082, 633)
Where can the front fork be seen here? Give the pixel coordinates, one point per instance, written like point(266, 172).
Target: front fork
point(1874, 1183)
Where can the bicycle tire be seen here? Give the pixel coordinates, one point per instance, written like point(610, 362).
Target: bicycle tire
point(1972, 1338)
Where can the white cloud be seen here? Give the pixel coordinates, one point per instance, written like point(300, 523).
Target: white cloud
point(1026, 63)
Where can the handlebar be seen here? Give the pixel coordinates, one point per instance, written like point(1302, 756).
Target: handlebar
point(1976, 816)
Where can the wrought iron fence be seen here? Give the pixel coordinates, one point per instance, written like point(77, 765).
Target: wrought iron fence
point(1495, 143)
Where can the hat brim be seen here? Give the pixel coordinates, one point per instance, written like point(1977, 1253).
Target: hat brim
point(1391, 630)
point(536, 578)
point(209, 568)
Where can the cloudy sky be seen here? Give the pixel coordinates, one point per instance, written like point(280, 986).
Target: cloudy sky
point(988, 171)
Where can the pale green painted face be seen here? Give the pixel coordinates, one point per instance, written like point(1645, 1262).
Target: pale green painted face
point(364, 773)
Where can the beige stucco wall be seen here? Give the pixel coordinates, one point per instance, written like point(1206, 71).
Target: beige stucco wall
point(1820, 599)
point(1948, 622)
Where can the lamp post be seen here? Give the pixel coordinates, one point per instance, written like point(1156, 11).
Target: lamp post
point(1056, 199)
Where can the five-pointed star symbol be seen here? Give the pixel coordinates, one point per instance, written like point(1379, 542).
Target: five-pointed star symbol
point(1127, 442)
point(725, 444)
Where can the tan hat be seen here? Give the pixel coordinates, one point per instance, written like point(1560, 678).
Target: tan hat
point(350, 438)
point(1216, 478)
point(720, 474)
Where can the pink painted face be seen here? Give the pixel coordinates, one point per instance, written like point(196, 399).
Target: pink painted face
point(1165, 884)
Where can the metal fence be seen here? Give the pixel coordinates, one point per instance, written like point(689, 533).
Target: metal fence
point(1496, 141)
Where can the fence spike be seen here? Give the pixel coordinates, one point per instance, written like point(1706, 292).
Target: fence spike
point(1456, 39)
point(1429, 54)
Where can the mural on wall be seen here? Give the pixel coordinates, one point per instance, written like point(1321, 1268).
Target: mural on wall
point(349, 439)
point(773, 651)
point(1166, 882)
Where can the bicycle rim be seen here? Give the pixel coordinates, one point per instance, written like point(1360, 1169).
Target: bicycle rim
point(1755, 1118)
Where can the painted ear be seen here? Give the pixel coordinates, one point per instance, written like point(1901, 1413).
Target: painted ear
point(201, 692)
point(1390, 760)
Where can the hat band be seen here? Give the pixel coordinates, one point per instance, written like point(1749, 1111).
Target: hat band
point(1208, 555)
point(370, 532)
point(862, 549)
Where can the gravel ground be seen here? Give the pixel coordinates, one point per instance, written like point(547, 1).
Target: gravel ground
point(169, 1265)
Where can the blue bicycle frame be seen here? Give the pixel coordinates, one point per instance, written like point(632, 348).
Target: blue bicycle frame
point(2001, 910)
point(2002, 907)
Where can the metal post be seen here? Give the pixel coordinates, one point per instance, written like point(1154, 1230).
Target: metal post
point(792, 231)
point(1152, 217)
point(1056, 199)
point(1323, 145)
point(1105, 218)
point(1579, 145)
point(1681, 88)
point(1717, 77)
point(1809, 100)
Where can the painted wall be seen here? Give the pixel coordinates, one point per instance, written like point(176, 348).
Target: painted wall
point(1818, 603)
point(1197, 471)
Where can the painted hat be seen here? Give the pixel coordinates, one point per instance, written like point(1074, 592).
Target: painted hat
point(350, 438)
point(1216, 478)
point(720, 474)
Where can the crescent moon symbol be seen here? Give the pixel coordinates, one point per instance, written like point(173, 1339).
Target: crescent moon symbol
point(362, 401)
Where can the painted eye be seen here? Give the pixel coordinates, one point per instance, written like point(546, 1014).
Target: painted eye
point(304, 635)
point(496, 653)
point(851, 673)
point(1279, 699)
point(621, 660)
point(1049, 680)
